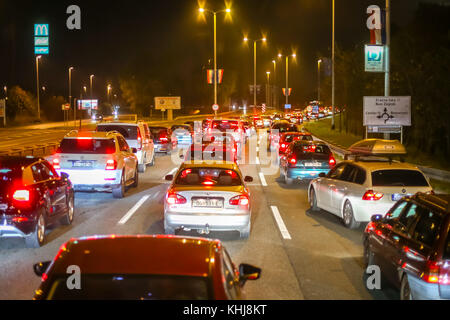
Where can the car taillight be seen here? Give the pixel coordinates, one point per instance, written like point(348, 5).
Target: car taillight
point(56, 164)
point(139, 139)
point(431, 273)
point(111, 165)
point(173, 198)
point(372, 196)
point(242, 200)
point(21, 195)
point(332, 162)
point(20, 219)
point(293, 160)
point(370, 227)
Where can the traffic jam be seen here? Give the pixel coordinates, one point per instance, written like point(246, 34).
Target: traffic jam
point(405, 224)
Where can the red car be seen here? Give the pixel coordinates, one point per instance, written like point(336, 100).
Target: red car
point(287, 138)
point(144, 268)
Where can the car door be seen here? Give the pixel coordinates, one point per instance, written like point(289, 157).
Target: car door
point(325, 186)
point(149, 141)
point(59, 187)
point(47, 188)
point(229, 271)
point(128, 159)
point(341, 187)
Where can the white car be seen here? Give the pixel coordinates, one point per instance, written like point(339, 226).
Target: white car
point(356, 190)
point(137, 135)
point(97, 161)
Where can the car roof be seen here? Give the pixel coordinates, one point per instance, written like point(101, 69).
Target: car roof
point(168, 255)
point(90, 134)
point(381, 164)
point(117, 123)
point(226, 165)
point(17, 161)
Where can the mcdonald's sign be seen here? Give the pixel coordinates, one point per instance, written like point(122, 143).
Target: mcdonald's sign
point(41, 39)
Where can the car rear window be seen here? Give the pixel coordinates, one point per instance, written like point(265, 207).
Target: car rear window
point(292, 137)
point(208, 177)
point(132, 287)
point(157, 131)
point(87, 146)
point(225, 125)
point(391, 178)
point(128, 132)
point(210, 154)
point(285, 128)
point(312, 148)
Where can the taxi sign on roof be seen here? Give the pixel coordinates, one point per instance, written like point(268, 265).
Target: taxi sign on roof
point(378, 147)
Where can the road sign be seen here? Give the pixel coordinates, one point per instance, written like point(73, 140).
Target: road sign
point(374, 58)
point(168, 103)
point(41, 39)
point(215, 107)
point(287, 106)
point(387, 111)
point(66, 106)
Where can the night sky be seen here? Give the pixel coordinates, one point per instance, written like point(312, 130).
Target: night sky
point(167, 40)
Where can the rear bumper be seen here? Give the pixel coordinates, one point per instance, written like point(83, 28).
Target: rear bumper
point(422, 290)
point(9, 229)
point(163, 147)
point(305, 174)
point(93, 179)
point(364, 210)
point(213, 221)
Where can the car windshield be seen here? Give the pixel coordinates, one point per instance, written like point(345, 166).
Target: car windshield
point(128, 132)
point(290, 138)
point(208, 177)
point(132, 287)
point(405, 178)
point(87, 146)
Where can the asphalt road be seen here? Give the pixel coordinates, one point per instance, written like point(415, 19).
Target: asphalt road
point(303, 255)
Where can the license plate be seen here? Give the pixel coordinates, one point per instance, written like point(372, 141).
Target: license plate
point(398, 196)
point(3, 206)
point(313, 164)
point(83, 164)
point(207, 203)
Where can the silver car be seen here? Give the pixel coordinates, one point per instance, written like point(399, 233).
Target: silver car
point(208, 196)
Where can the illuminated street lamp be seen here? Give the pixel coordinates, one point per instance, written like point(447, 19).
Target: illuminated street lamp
point(203, 10)
point(109, 88)
point(319, 62)
point(287, 74)
point(254, 66)
point(91, 81)
point(37, 86)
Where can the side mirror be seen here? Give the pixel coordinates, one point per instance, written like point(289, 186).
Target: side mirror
point(376, 218)
point(40, 268)
point(169, 177)
point(322, 175)
point(248, 272)
point(248, 179)
point(133, 150)
point(64, 176)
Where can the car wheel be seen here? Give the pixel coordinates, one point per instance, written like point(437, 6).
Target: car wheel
point(313, 200)
point(142, 167)
point(348, 217)
point(119, 192)
point(288, 181)
point(245, 233)
point(136, 178)
point(153, 160)
point(68, 218)
point(368, 255)
point(405, 290)
point(37, 238)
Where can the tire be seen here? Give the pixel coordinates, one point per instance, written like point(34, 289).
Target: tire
point(288, 181)
point(245, 233)
point(119, 192)
point(347, 216)
point(405, 289)
point(142, 167)
point(153, 160)
point(313, 200)
point(37, 238)
point(136, 179)
point(68, 218)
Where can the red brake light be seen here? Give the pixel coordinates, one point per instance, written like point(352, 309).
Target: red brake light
point(370, 227)
point(240, 201)
point(56, 164)
point(332, 162)
point(111, 165)
point(20, 219)
point(208, 183)
point(173, 198)
point(431, 274)
point(372, 196)
point(21, 195)
point(139, 138)
point(293, 160)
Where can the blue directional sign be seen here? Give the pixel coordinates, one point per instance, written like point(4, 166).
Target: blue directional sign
point(287, 106)
point(41, 39)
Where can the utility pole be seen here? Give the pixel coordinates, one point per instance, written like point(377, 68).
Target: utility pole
point(387, 87)
point(332, 71)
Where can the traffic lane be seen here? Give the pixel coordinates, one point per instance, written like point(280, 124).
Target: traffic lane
point(327, 256)
point(95, 214)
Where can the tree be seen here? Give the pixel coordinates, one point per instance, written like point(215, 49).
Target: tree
point(20, 102)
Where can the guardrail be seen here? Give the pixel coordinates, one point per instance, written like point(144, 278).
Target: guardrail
point(433, 173)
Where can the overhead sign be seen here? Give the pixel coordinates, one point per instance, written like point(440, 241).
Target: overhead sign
point(287, 106)
point(41, 39)
point(374, 58)
point(168, 103)
point(387, 111)
point(87, 104)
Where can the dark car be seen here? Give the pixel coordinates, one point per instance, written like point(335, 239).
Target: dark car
point(32, 197)
point(162, 138)
point(277, 129)
point(411, 246)
point(287, 138)
point(144, 268)
point(305, 160)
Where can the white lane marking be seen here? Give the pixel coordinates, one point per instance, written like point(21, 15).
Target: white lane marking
point(284, 231)
point(257, 161)
point(133, 210)
point(257, 149)
point(263, 179)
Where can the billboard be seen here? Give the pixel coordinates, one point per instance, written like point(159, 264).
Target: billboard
point(168, 103)
point(387, 111)
point(87, 104)
point(41, 39)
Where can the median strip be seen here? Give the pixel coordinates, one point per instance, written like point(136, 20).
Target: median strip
point(284, 231)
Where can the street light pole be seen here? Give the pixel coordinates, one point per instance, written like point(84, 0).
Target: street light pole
point(37, 87)
point(318, 88)
point(70, 95)
point(287, 80)
point(254, 75)
point(268, 95)
point(274, 91)
point(332, 69)
point(91, 81)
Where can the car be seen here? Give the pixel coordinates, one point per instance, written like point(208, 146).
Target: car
point(411, 246)
point(305, 160)
point(97, 161)
point(355, 190)
point(234, 127)
point(137, 135)
point(97, 117)
point(206, 197)
point(288, 137)
point(258, 122)
point(217, 151)
point(267, 121)
point(297, 119)
point(183, 134)
point(278, 128)
point(144, 267)
point(32, 197)
point(163, 139)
